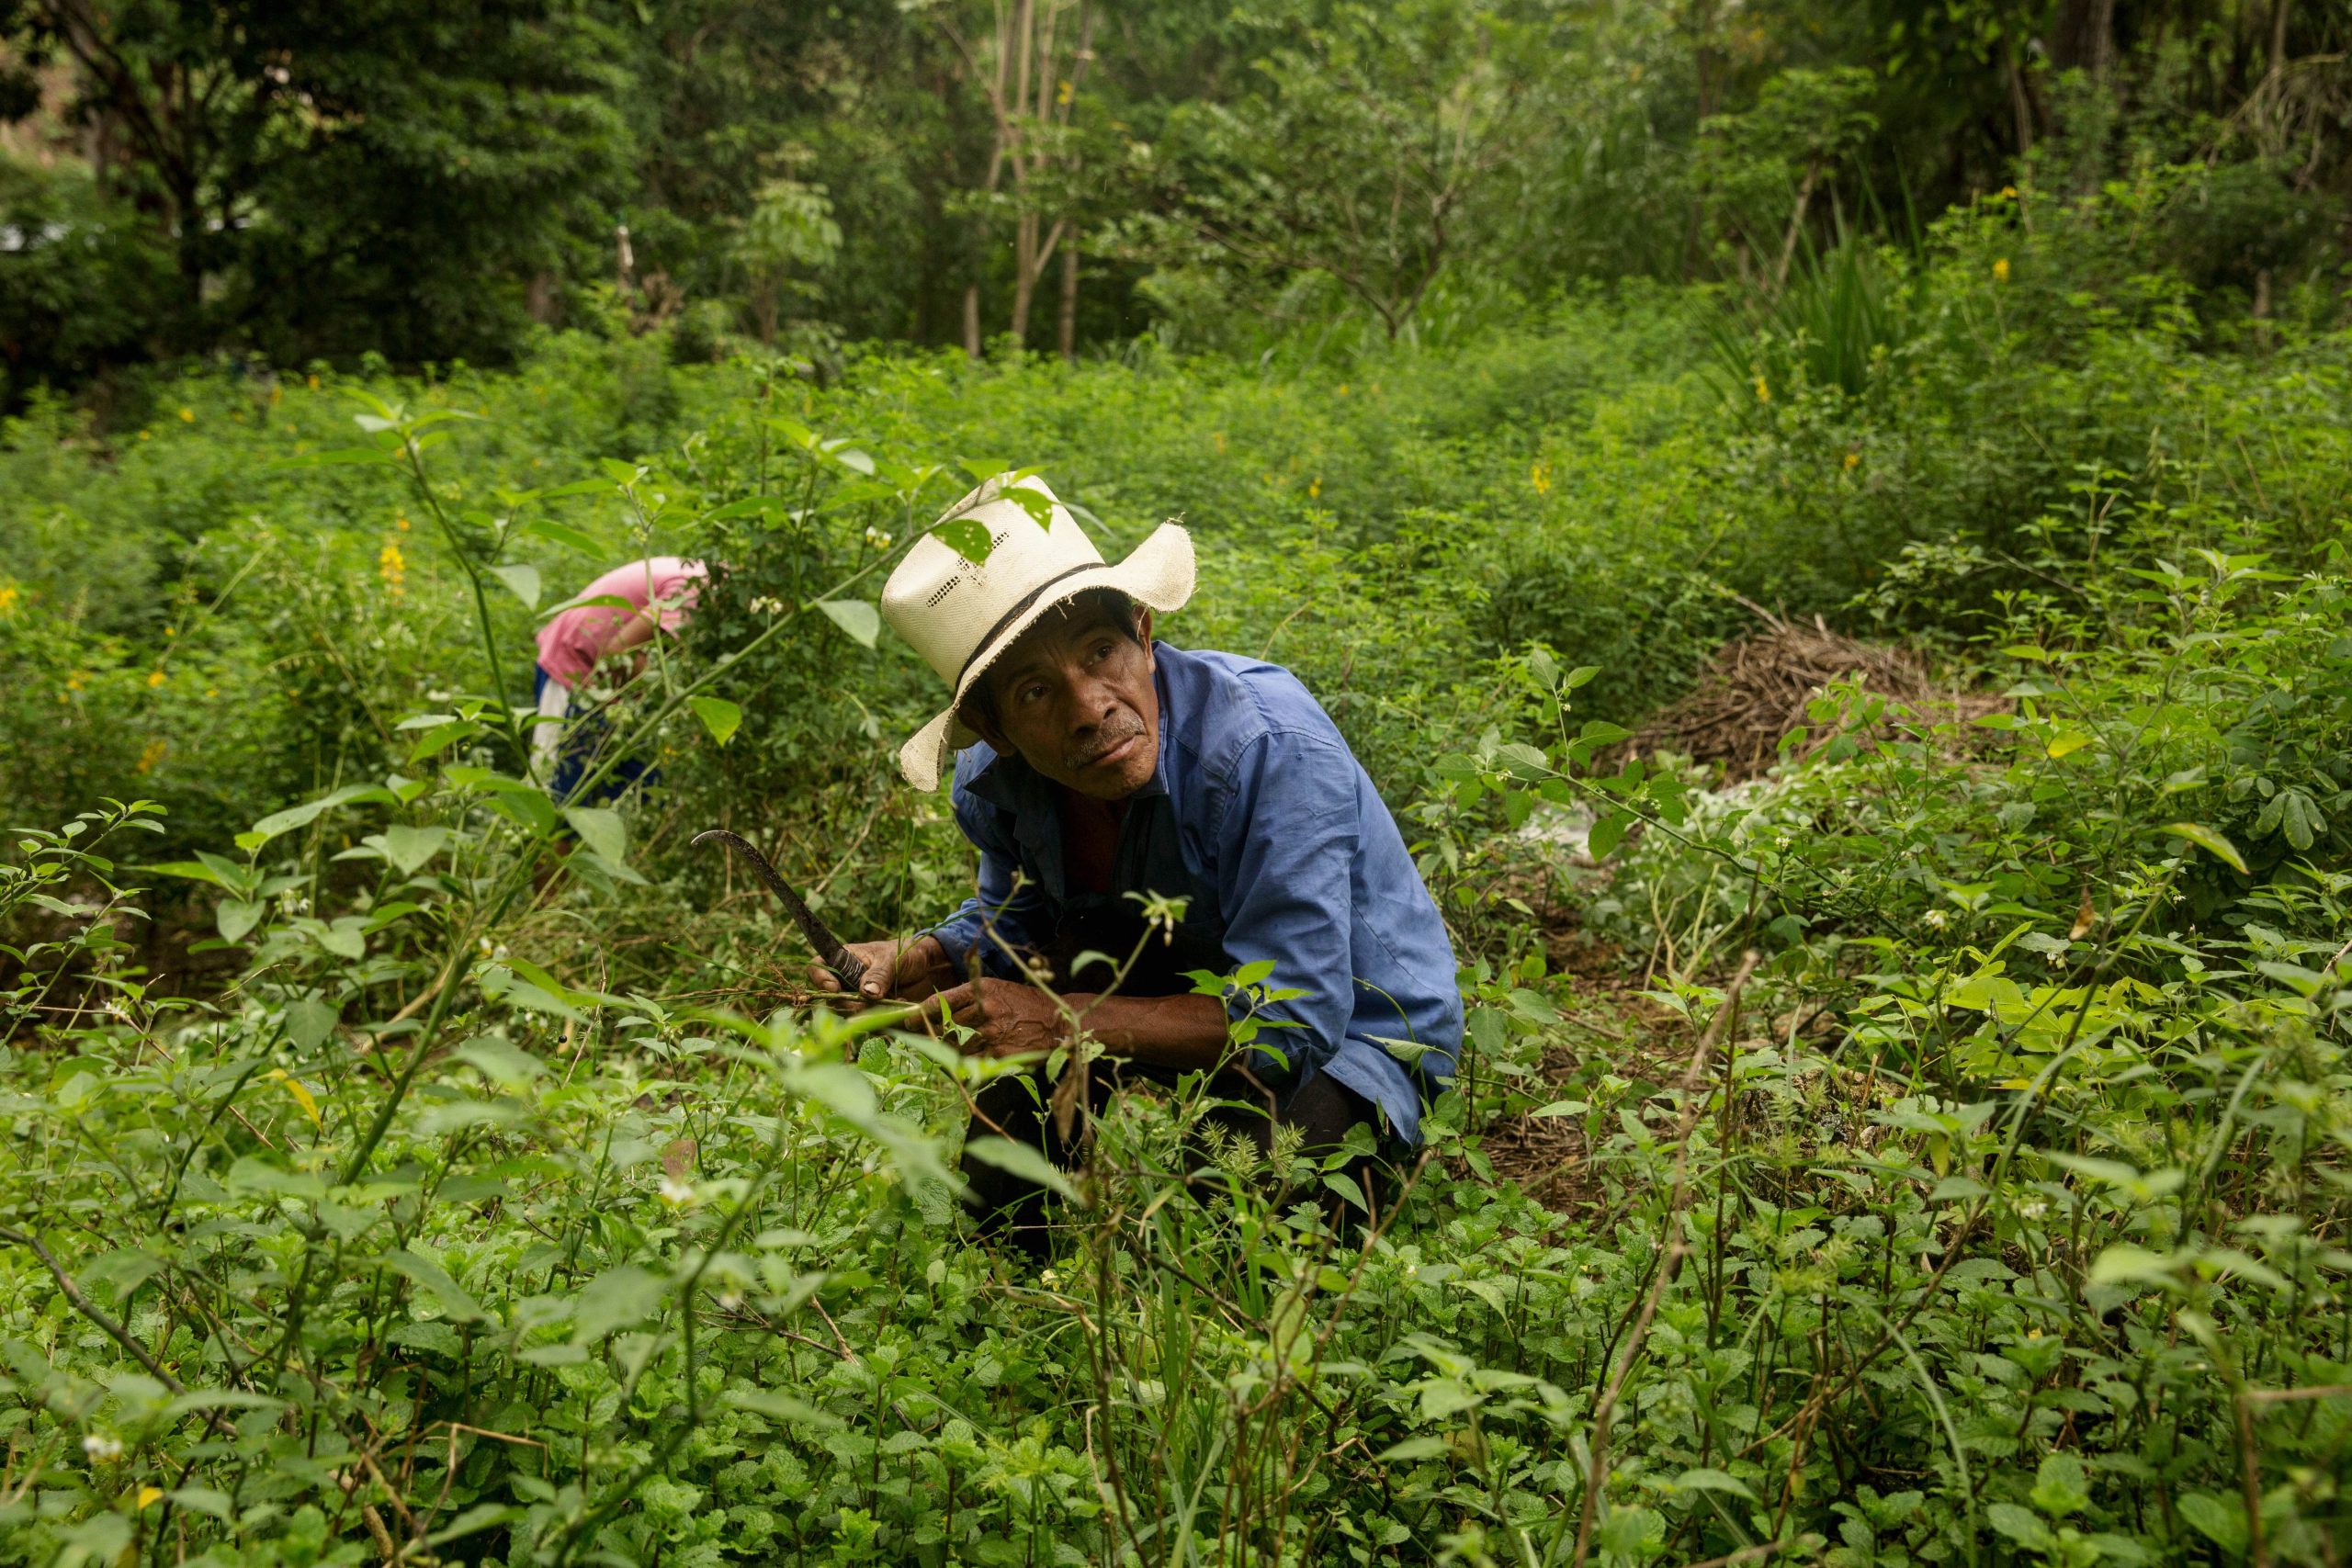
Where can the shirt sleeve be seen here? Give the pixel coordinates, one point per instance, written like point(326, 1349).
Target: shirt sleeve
point(1011, 908)
point(1285, 856)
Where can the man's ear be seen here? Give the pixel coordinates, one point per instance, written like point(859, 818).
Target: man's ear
point(1143, 632)
point(986, 732)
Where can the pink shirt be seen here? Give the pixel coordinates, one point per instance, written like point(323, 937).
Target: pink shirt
point(571, 642)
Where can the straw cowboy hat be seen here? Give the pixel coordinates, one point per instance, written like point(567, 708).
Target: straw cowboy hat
point(960, 616)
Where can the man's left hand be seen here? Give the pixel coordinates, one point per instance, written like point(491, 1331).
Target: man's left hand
point(1007, 1018)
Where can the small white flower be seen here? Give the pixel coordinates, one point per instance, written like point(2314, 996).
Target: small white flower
point(2057, 957)
point(100, 1448)
point(1936, 919)
point(676, 1193)
point(730, 1300)
point(877, 539)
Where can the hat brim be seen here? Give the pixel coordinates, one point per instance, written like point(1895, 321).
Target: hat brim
point(1159, 572)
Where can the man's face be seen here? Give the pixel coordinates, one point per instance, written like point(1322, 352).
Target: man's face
point(1074, 696)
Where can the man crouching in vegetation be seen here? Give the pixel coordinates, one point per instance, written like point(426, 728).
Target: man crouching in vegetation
point(1099, 768)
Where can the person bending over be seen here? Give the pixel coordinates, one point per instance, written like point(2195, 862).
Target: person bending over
point(600, 642)
point(1097, 763)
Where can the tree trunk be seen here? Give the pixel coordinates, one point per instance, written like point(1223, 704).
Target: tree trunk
point(1025, 275)
point(972, 320)
point(2098, 48)
point(1066, 324)
point(2021, 109)
point(1796, 227)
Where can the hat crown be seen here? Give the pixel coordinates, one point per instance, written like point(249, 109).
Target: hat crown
point(945, 606)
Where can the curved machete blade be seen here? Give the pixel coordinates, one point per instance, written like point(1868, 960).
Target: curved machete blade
point(829, 951)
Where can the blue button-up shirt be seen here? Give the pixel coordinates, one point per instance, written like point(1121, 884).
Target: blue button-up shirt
point(1266, 822)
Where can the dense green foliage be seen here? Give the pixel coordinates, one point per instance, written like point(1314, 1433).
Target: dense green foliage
point(186, 177)
point(403, 1165)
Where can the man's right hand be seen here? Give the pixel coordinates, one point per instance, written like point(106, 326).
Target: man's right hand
point(895, 971)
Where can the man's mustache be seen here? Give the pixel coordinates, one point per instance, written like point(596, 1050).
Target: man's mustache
point(1115, 733)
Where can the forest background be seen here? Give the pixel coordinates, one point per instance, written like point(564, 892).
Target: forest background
point(1826, 522)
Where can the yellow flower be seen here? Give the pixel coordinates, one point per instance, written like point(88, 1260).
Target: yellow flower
point(145, 434)
point(148, 1497)
point(2009, 193)
point(187, 416)
point(1063, 97)
point(1540, 476)
point(152, 755)
point(402, 523)
point(1763, 389)
point(1315, 487)
point(275, 392)
point(211, 691)
point(8, 595)
point(311, 381)
point(74, 679)
point(1343, 388)
point(156, 678)
point(2001, 270)
point(1853, 461)
point(392, 567)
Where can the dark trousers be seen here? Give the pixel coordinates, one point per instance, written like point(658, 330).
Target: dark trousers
point(1020, 1108)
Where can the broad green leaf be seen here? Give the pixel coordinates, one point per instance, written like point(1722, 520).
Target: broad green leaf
point(967, 537)
point(1340, 1182)
point(1022, 1160)
point(562, 533)
point(410, 848)
point(2220, 1519)
point(474, 1520)
point(2021, 1525)
point(1707, 1480)
point(1607, 834)
point(521, 579)
point(500, 1060)
point(194, 870)
point(719, 715)
point(601, 829)
point(855, 616)
point(2210, 841)
point(236, 916)
point(1413, 1448)
point(2121, 1264)
point(308, 1022)
point(618, 1298)
point(461, 1306)
point(303, 816)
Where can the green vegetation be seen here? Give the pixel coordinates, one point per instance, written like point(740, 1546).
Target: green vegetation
point(1933, 1147)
